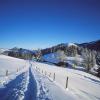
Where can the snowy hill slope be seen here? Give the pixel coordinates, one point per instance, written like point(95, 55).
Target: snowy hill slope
point(11, 64)
point(27, 83)
point(48, 90)
point(85, 86)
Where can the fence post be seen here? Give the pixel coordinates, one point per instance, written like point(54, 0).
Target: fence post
point(17, 69)
point(42, 71)
point(6, 72)
point(54, 77)
point(67, 82)
point(39, 69)
point(45, 73)
point(49, 74)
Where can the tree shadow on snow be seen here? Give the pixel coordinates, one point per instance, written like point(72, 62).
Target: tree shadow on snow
point(94, 80)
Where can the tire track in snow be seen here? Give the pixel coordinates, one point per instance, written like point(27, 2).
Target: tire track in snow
point(42, 91)
point(31, 92)
point(48, 90)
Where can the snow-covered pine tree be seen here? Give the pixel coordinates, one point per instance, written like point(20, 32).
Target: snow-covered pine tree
point(72, 51)
point(39, 55)
point(89, 59)
point(98, 63)
point(60, 55)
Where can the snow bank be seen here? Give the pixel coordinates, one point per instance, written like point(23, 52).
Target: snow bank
point(85, 86)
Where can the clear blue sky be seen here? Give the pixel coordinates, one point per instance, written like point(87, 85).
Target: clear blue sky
point(43, 23)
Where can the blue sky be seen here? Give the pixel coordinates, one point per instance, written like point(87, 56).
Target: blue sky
point(44, 23)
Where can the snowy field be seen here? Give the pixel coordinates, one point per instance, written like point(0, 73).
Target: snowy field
point(35, 81)
point(10, 64)
point(81, 84)
point(53, 59)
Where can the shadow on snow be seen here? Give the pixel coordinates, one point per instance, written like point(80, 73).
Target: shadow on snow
point(8, 92)
point(31, 93)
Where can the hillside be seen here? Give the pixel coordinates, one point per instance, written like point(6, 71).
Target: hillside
point(27, 83)
point(36, 81)
point(94, 45)
point(85, 55)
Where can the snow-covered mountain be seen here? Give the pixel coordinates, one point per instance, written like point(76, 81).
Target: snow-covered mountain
point(3, 50)
point(74, 54)
point(61, 46)
point(21, 50)
point(94, 45)
point(17, 50)
point(19, 53)
point(71, 44)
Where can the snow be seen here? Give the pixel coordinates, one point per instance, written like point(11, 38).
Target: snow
point(78, 58)
point(47, 90)
point(3, 50)
point(11, 64)
point(72, 44)
point(50, 58)
point(35, 81)
point(27, 83)
point(85, 86)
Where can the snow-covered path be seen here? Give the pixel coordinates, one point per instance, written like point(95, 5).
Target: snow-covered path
point(31, 93)
point(48, 90)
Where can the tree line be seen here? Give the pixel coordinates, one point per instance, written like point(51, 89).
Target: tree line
point(90, 57)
